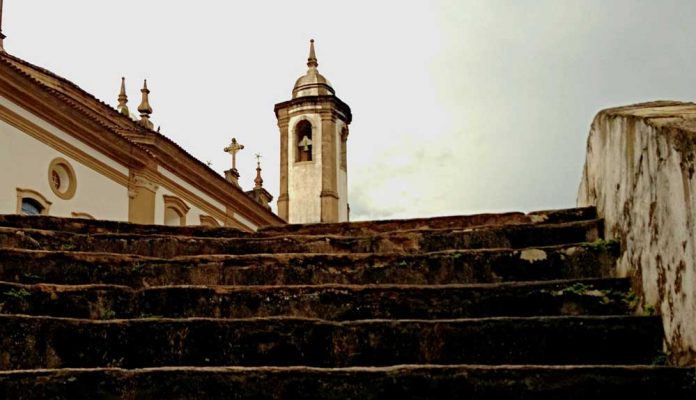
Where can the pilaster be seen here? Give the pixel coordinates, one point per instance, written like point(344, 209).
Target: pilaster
point(141, 199)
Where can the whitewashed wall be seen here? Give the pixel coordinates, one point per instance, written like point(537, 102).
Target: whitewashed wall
point(24, 163)
point(639, 173)
point(304, 178)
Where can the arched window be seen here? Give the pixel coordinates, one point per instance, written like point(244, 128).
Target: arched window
point(207, 220)
point(175, 211)
point(31, 202)
point(172, 217)
point(31, 207)
point(303, 141)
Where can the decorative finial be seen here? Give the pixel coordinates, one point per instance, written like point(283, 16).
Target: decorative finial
point(144, 107)
point(259, 180)
point(233, 149)
point(122, 99)
point(312, 60)
point(2, 37)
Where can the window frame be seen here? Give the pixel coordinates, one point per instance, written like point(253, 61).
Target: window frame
point(296, 141)
point(35, 196)
point(178, 206)
point(55, 166)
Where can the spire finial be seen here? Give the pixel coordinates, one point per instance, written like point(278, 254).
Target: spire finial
point(312, 60)
point(144, 107)
point(122, 98)
point(2, 37)
point(259, 180)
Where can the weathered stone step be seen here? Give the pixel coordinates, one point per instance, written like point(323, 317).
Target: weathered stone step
point(86, 226)
point(451, 222)
point(473, 382)
point(449, 267)
point(329, 302)
point(349, 228)
point(509, 236)
point(45, 342)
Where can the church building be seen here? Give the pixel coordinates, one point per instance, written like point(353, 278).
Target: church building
point(65, 153)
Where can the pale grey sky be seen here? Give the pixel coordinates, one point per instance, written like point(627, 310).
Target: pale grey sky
point(459, 106)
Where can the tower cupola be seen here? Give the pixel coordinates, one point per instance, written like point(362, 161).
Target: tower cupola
point(312, 83)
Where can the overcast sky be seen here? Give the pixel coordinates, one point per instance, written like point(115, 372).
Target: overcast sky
point(459, 106)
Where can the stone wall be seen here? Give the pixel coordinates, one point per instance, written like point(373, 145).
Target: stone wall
point(639, 173)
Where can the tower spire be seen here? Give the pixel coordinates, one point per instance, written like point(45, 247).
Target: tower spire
point(122, 98)
point(2, 36)
point(259, 180)
point(144, 107)
point(312, 60)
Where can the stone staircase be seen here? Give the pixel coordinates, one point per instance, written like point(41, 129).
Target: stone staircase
point(491, 306)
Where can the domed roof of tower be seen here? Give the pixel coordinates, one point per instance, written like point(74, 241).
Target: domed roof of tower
point(312, 83)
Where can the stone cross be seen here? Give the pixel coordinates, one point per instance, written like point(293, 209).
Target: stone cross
point(305, 142)
point(233, 149)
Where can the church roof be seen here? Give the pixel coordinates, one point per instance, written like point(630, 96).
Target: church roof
point(73, 96)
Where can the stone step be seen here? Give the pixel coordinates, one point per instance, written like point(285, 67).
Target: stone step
point(448, 267)
point(475, 382)
point(85, 226)
point(328, 302)
point(451, 222)
point(508, 236)
point(29, 342)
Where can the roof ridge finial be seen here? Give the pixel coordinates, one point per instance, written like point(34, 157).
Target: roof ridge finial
point(259, 180)
point(312, 60)
point(2, 36)
point(144, 107)
point(122, 98)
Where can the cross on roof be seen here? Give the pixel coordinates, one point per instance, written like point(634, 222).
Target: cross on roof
point(233, 149)
point(305, 143)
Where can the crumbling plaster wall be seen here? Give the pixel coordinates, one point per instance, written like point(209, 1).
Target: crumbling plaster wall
point(639, 173)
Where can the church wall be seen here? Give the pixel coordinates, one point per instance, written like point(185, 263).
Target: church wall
point(342, 178)
point(245, 221)
point(63, 136)
point(304, 178)
point(199, 202)
point(190, 188)
point(25, 160)
point(193, 217)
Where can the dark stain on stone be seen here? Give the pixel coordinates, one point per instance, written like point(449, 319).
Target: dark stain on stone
point(661, 279)
point(679, 276)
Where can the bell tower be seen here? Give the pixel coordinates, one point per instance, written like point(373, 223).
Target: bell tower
point(313, 150)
